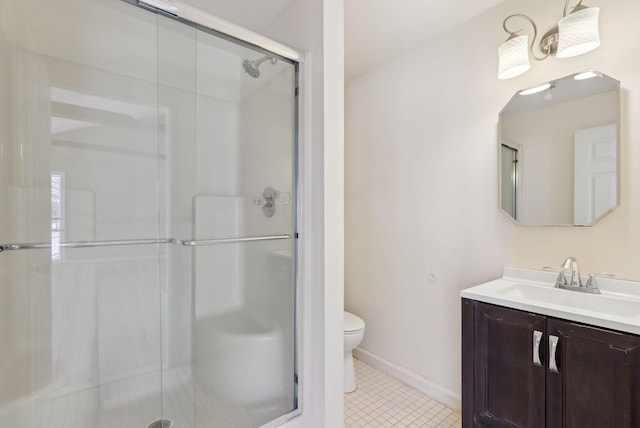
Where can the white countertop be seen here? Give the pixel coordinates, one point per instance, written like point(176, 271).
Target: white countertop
point(617, 308)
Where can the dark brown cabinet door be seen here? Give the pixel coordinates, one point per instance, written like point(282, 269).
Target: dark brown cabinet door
point(508, 385)
point(597, 383)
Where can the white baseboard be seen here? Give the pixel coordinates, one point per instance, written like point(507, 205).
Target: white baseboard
point(427, 387)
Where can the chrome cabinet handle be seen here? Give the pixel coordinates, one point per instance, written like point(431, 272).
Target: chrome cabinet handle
point(537, 338)
point(553, 347)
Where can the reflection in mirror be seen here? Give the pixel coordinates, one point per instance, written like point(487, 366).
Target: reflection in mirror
point(559, 146)
point(509, 180)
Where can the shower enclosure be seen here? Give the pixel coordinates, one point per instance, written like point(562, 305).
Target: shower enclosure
point(148, 221)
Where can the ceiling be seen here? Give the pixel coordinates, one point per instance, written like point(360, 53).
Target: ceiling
point(251, 14)
point(376, 31)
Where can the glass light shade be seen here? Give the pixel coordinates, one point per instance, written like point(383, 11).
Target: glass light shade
point(513, 57)
point(578, 33)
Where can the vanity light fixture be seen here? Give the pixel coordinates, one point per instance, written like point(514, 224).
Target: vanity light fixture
point(576, 34)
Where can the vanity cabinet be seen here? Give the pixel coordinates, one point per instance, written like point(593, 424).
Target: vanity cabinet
point(528, 370)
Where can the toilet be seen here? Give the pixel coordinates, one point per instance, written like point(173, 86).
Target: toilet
point(353, 334)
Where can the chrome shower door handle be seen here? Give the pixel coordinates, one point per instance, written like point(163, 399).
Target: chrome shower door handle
point(537, 338)
point(553, 348)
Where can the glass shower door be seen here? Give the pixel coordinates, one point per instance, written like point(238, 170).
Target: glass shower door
point(227, 126)
point(79, 274)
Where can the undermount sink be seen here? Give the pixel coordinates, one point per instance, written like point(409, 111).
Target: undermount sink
point(618, 307)
point(601, 303)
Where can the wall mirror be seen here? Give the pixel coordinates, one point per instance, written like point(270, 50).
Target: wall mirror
point(559, 151)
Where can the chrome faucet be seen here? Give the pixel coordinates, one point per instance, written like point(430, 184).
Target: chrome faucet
point(575, 284)
point(572, 264)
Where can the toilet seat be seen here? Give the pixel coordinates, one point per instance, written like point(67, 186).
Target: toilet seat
point(353, 324)
point(353, 334)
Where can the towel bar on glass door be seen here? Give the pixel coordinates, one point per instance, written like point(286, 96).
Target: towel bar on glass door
point(197, 243)
point(85, 244)
point(82, 244)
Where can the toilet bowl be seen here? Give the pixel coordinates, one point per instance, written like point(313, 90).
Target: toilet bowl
point(353, 334)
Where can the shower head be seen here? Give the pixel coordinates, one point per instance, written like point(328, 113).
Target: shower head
point(252, 67)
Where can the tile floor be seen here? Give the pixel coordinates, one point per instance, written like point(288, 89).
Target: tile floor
point(383, 401)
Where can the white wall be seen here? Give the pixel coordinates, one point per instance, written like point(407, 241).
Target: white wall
point(422, 185)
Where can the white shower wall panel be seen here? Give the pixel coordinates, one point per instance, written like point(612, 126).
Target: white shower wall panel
point(266, 149)
point(266, 159)
point(217, 209)
point(25, 156)
point(216, 160)
point(177, 134)
point(218, 268)
point(5, 108)
point(104, 142)
point(218, 69)
point(119, 190)
point(104, 322)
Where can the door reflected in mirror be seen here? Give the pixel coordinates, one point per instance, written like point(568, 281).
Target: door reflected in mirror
point(559, 151)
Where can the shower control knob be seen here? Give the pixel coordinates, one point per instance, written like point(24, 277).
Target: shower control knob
point(270, 200)
point(259, 201)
